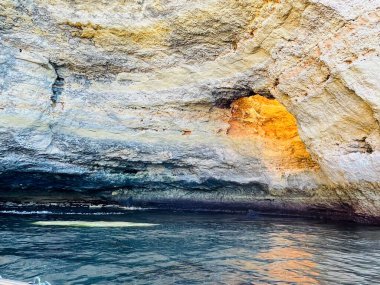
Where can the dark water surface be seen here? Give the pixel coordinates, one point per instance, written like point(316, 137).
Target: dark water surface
point(187, 248)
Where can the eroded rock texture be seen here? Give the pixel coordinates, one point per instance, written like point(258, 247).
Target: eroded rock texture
point(194, 102)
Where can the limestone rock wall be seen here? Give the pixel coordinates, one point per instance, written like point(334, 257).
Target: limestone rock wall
point(133, 99)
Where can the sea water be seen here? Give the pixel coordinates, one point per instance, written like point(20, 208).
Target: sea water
point(157, 247)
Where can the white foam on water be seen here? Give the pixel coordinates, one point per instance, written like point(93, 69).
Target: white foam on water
point(17, 212)
point(97, 224)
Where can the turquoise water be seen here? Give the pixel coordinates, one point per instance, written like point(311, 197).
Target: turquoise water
point(153, 247)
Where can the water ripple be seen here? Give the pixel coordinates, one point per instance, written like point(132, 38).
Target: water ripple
point(184, 248)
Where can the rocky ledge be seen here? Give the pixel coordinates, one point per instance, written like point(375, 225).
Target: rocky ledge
point(270, 105)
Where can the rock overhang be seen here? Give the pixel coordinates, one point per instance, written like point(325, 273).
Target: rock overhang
point(130, 94)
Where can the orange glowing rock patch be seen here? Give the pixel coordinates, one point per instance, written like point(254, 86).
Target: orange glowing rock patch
point(269, 127)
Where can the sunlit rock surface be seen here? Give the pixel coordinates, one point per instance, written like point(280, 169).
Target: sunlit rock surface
point(194, 103)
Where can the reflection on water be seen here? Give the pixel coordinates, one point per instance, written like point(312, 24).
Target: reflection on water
point(186, 248)
point(282, 261)
point(286, 262)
